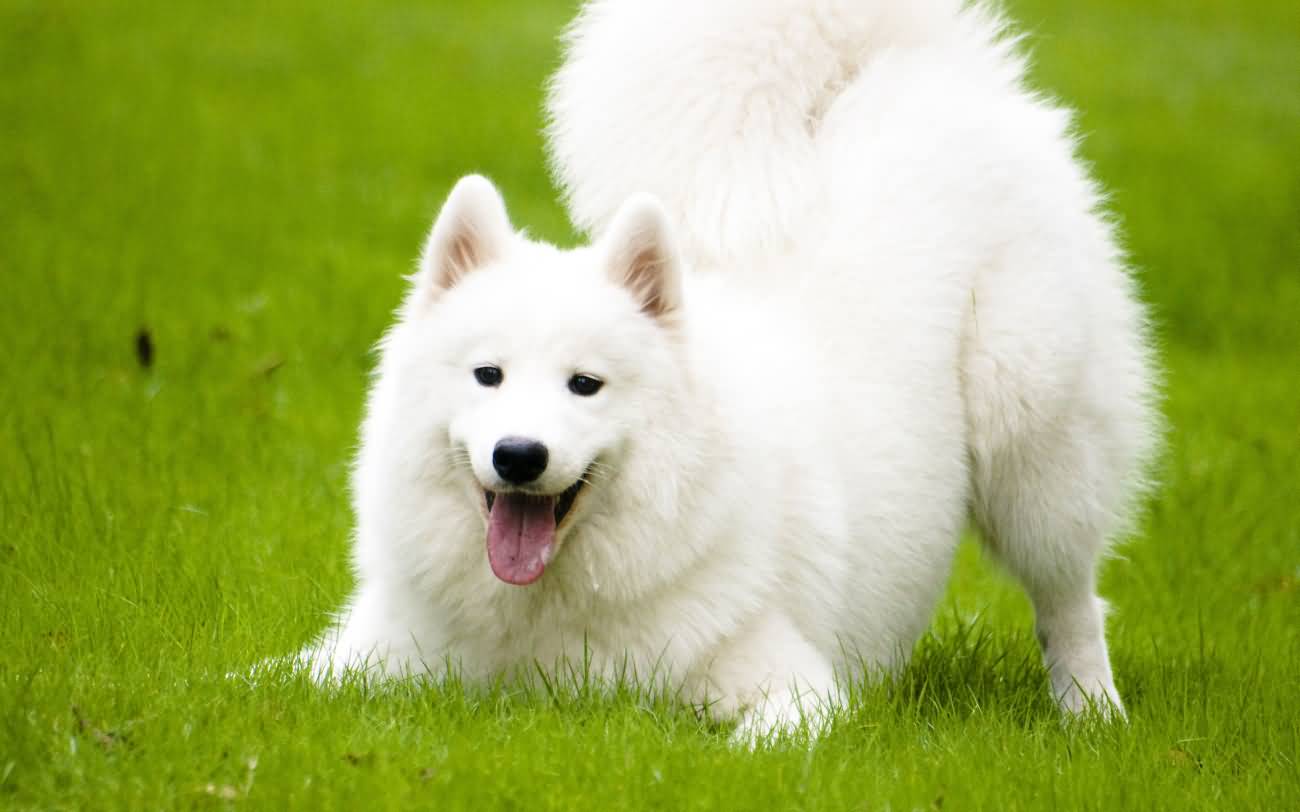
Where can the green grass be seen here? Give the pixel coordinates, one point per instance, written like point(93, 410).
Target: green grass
point(248, 181)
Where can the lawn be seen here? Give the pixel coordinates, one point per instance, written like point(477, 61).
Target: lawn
point(206, 210)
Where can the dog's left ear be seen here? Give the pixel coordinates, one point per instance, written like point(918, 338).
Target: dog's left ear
point(642, 257)
point(471, 231)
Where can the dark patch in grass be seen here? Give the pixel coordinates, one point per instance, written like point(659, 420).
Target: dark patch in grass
point(144, 349)
point(268, 366)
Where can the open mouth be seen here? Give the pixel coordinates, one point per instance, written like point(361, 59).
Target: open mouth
point(521, 531)
point(563, 503)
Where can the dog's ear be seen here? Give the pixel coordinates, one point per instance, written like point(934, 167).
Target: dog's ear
point(641, 255)
point(471, 231)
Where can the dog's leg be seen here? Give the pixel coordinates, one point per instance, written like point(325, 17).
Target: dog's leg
point(770, 676)
point(375, 635)
point(1057, 388)
point(1069, 617)
point(1038, 505)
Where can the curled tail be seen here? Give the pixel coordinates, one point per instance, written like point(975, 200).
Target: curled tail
point(714, 106)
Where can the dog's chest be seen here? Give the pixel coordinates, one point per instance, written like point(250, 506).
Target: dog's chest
point(523, 629)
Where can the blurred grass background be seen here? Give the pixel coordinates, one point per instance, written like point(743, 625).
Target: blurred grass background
point(245, 184)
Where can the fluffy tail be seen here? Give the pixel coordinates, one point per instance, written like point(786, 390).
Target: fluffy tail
point(714, 105)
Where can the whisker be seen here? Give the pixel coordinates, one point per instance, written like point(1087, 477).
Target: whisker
point(457, 457)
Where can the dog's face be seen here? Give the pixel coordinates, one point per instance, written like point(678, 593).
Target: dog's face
point(537, 366)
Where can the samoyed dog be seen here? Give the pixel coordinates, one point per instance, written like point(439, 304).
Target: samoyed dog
point(849, 289)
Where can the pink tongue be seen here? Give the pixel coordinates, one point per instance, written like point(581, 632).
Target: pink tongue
point(521, 533)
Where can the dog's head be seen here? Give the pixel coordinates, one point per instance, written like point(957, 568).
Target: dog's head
point(535, 366)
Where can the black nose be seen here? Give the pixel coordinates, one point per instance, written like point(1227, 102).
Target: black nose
point(519, 460)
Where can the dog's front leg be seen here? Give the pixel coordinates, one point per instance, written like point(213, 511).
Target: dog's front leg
point(384, 631)
point(770, 676)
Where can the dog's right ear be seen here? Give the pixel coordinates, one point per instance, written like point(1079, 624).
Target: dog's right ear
point(471, 231)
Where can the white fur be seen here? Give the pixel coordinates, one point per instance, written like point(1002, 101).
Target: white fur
point(887, 302)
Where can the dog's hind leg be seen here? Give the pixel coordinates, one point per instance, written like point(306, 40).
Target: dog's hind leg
point(1058, 387)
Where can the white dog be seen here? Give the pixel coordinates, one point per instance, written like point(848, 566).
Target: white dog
point(735, 440)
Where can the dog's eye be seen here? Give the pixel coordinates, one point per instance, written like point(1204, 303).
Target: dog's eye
point(585, 385)
point(488, 376)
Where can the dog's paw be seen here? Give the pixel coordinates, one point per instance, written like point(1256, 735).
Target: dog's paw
point(780, 716)
point(323, 666)
point(1096, 699)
